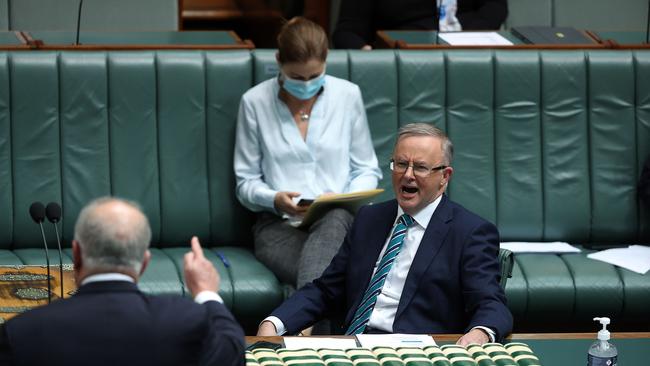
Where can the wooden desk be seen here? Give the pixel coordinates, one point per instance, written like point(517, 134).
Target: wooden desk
point(95, 40)
point(12, 40)
point(417, 40)
point(557, 349)
point(627, 40)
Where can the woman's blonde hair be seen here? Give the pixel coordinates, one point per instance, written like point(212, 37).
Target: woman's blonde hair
point(301, 40)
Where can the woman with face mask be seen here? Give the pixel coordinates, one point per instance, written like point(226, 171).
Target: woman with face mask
point(300, 135)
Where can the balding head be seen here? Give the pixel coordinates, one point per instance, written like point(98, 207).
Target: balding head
point(112, 235)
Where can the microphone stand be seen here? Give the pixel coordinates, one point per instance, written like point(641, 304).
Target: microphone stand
point(58, 242)
point(81, 3)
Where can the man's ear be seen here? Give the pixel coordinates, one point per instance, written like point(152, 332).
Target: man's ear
point(76, 255)
point(447, 173)
point(277, 57)
point(145, 261)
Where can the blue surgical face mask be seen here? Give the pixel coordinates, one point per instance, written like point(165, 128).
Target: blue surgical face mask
point(303, 90)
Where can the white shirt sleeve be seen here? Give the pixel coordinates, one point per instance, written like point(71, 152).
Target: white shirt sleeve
point(489, 331)
point(252, 191)
point(205, 296)
point(279, 325)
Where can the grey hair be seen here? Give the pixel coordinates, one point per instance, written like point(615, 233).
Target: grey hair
point(108, 242)
point(424, 129)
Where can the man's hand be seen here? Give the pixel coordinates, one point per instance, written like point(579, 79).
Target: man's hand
point(283, 202)
point(473, 336)
point(200, 274)
point(267, 329)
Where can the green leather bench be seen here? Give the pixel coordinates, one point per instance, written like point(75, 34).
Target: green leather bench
point(548, 146)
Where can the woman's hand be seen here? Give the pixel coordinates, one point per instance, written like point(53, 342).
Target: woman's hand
point(283, 202)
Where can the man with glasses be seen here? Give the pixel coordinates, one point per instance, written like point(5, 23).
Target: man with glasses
point(417, 264)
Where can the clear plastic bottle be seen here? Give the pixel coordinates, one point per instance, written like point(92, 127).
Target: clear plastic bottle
point(601, 352)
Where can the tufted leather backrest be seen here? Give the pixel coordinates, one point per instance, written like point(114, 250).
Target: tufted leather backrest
point(548, 143)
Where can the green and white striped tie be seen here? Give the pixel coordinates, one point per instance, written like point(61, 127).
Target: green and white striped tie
point(364, 310)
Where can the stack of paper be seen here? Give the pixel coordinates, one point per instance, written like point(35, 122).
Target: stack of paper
point(474, 39)
point(319, 342)
point(395, 340)
point(550, 247)
point(636, 258)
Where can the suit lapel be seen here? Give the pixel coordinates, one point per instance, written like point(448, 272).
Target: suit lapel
point(374, 238)
point(432, 242)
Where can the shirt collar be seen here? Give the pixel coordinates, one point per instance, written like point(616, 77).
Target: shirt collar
point(105, 277)
point(424, 215)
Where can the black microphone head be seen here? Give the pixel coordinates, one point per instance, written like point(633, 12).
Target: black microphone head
point(53, 212)
point(37, 212)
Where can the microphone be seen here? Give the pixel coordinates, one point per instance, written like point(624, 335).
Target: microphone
point(37, 212)
point(81, 3)
point(53, 213)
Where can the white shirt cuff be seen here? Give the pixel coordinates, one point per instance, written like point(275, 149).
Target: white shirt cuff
point(205, 296)
point(279, 326)
point(489, 331)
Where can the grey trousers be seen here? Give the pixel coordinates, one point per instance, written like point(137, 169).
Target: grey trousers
point(299, 256)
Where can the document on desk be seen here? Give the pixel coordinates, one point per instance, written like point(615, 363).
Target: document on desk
point(319, 342)
point(395, 340)
point(546, 247)
point(636, 258)
point(474, 39)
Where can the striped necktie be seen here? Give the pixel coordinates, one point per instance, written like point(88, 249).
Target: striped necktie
point(362, 315)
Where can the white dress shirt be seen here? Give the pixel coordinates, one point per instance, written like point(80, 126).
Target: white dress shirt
point(200, 298)
point(383, 315)
point(271, 156)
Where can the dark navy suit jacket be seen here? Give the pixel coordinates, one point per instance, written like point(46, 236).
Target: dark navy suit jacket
point(452, 285)
point(113, 323)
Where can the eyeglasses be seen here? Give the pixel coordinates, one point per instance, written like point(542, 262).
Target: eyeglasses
point(421, 171)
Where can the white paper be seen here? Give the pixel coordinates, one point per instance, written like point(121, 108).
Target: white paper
point(395, 340)
point(531, 247)
point(636, 258)
point(474, 39)
point(318, 342)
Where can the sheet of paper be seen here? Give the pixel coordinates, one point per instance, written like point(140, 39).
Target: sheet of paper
point(531, 247)
point(474, 39)
point(319, 342)
point(636, 258)
point(395, 340)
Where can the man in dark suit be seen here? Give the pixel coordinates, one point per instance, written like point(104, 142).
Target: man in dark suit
point(109, 321)
point(417, 264)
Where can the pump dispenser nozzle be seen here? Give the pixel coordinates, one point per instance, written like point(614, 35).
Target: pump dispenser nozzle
point(603, 334)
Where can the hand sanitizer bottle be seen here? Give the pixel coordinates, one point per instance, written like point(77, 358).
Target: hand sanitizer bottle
point(602, 353)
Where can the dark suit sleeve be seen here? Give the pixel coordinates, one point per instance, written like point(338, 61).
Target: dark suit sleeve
point(488, 14)
point(324, 297)
point(354, 28)
point(6, 353)
point(644, 183)
point(224, 341)
point(485, 300)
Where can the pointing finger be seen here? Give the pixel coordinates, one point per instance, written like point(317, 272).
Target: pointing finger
point(196, 248)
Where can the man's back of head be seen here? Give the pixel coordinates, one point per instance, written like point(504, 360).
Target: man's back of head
point(111, 235)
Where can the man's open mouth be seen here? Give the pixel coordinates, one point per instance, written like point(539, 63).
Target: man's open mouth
point(410, 189)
